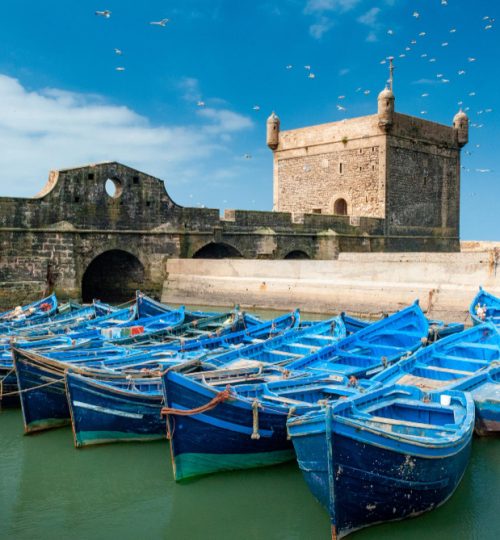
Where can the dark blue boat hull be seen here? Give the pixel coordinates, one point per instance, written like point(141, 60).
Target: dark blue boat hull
point(104, 415)
point(221, 439)
point(43, 396)
point(362, 484)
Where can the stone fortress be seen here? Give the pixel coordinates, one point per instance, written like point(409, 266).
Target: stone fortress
point(381, 183)
point(402, 169)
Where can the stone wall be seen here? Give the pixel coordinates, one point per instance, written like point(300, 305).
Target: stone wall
point(423, 178)
point(407, 173)
point(365, 284)
point(315, 166)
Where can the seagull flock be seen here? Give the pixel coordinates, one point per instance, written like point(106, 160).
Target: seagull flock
point(416, 41)
point(106, 14)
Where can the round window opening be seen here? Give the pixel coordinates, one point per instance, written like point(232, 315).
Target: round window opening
point(113, 187)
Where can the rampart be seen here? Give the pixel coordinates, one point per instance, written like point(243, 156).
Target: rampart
point(365, 284)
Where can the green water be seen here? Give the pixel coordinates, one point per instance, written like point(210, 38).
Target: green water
point(48, 490)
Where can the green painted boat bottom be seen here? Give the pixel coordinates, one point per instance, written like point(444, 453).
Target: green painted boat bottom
point(46, 423)
point(189, 465)
point(88, 438)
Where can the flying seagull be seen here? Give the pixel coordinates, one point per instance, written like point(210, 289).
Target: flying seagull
point(106, 13)
point(256, 107)
point(120, 69)
point(119, 52)
point(200, 103)
point(162, 23)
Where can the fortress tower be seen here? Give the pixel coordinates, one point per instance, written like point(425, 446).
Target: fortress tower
point(400, 168)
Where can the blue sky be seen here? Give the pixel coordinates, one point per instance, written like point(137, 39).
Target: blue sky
point(63, 103)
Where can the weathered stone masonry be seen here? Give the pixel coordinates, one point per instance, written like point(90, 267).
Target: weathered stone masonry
point(74, 233)
point(399, 168)
point(386, 182)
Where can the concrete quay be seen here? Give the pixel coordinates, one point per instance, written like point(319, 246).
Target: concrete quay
point(363, 284)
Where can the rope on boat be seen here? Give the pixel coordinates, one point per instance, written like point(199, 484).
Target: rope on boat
point(291, 412)
point(255, 413)
point(19, 392)
point(1, 382)
point(220, 397)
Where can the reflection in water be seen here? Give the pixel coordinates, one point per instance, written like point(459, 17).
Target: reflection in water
point(127, 491)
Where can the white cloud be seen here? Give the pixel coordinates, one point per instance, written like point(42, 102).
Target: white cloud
point(223, 121)
point(314, 6)
point(320, 27)
point(372, 37)
point(344, 71)
point(51, 129)
point(319, 8)
point(370, 17)
point(190, 88)
point(426, 81)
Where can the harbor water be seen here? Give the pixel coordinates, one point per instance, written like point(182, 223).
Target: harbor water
point(126, 491)
point(48, 489)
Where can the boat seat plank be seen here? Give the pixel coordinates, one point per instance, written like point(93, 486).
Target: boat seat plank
point(281, 399)
point(285, 353)
point(461, 359)
point(409, 423)
point(449, 370)
point(483, 346)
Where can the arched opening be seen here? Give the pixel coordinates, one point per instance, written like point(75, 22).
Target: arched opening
point(113, 187)
point(217, 251)
point(113, 277)
point(297, 254)
point(340, 207)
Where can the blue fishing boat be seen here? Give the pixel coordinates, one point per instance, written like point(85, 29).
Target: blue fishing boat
point(107, 407)
point(447, 362)
point(285, 348)
point(45, 405)
point(212, 429)
point(40, 379)
point(371, 349)
point(114, 409)
point(148, 307)
point(437, 329)
point(485, 390)
point(485, 307)
point(392, 453)
point(35, 311)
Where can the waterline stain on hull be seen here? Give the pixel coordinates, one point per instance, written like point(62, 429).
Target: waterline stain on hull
point(189, 465)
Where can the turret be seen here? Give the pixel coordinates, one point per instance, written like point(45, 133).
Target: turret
point(461, 127)
point(386, 109)
point(273, 131)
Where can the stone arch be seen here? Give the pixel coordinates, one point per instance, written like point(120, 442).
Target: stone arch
point(113, 276)
point(217, 250)
point(297, 254)
point(340, 207)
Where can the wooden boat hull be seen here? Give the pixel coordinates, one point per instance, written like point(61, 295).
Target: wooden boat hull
point(376, 484)
point(364, 476)
point(221, 439)
point(103, 414)
point(42, 393)
point(485, 390)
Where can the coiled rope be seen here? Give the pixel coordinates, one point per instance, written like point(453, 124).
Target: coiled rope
point(220, 397)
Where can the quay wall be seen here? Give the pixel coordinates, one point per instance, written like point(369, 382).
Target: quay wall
point(365, 284)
